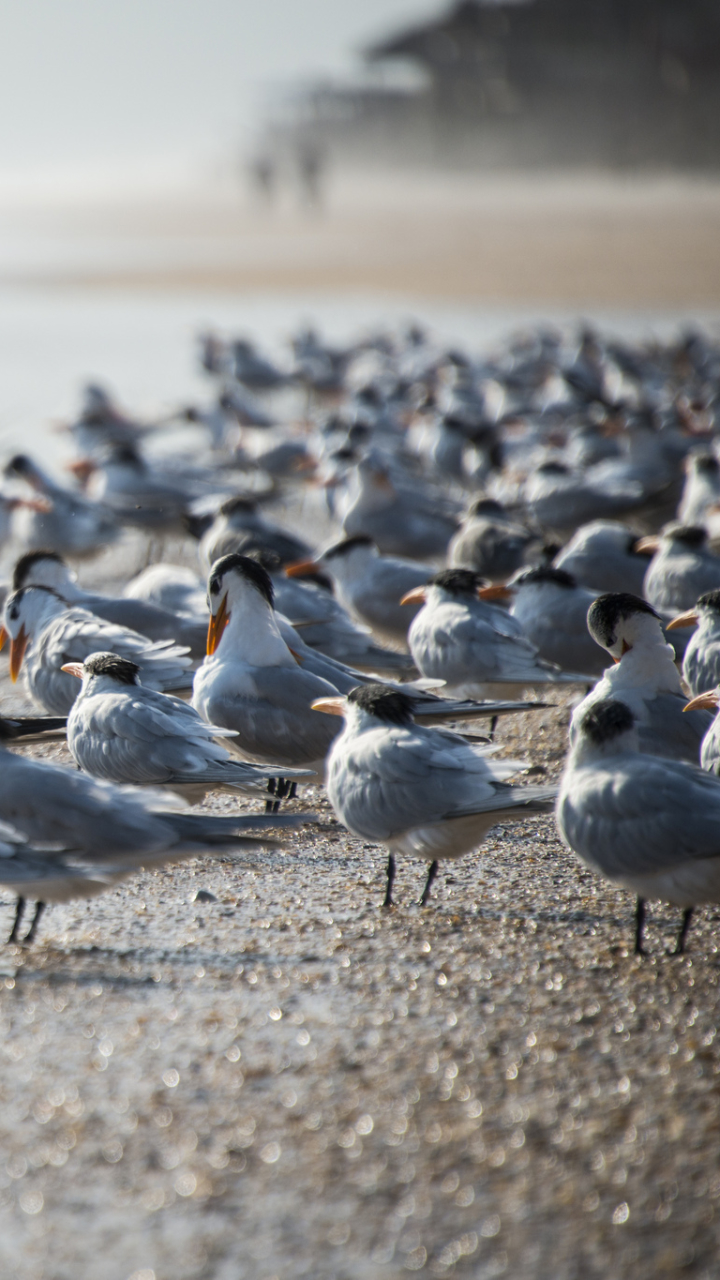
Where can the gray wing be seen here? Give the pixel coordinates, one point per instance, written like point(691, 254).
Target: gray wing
point(277, 724)
point(386, 781)
point(640, 815)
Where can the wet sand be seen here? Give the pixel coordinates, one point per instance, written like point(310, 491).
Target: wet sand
point(285, 1080)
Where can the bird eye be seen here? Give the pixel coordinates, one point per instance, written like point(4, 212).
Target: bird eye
point(214, 586)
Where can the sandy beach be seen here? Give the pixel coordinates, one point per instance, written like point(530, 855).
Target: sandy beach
point(583, 242)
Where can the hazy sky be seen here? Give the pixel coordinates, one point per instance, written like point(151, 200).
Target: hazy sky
point(93, 84)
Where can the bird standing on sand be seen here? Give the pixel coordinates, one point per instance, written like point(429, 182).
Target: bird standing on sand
point(45, 633)
point(644, 676)
point(251, 682)
point(122, 731)
point(422, 792)
point(649, 824)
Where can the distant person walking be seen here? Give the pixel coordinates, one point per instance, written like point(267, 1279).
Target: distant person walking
point(311, 165)
point(263, 178)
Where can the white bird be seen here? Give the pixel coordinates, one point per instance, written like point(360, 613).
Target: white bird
point(422, 792)
point(170, 586)
point(477, 648)
point(370, 585)
point(40, 622)
point(250, 681)
point(644, 676)
point(123, 732)
point(710, 750)
point(552, 611)
point(491, 541)
point(111, 831)
point(604, 556)
point(62, 520)
point(559, 500)
point(401, 519)
point(236, 518)
point(701, 660)
point(702, 488)
point(649, 824)
point(683, 569)
point(48, 569)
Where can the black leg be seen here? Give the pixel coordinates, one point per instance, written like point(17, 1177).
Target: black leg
point(684, 930)
point(39, 908)
point(18, 918)
point(493, 726)
point(271, 791)
point(428, 883)
point(639, 924)
point(293, 791)
point(390, 881)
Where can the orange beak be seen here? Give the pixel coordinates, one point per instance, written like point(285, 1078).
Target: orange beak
point(82, 469)
point(73, 669)
point(329, 706)
point(647, 546)
point(4, 637)
point(704, 702)
point(688, 619)
point(216, 626)
point(418, 595)
point(301, 569)
point(498, 592)
point(17, 653)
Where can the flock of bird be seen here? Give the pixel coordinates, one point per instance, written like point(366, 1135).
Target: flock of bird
point(401, 535)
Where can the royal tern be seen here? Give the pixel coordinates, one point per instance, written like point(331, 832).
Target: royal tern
point(644, 676)
point(649, 824)
point(477, 648)
point(62, 520)
point(250, 681)
point(402, 520)
point(701, 660)
point(47, 632)
point(47, 569)
point(603, 556)
point(423, 792)
point(111, 830)
point(683, 569)
point(702, 488)
point(710, 750)
point(122, 731)
point(368, 584)
point(552, 611)
point(491, 541)
point(135, 492)
point(172, 587)
point(236, 518)
point(558, 500)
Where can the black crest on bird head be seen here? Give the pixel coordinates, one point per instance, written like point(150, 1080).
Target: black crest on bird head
point(545, 573)
point(111, 664)
point(710, 600)
point(706, 463)
point(347, 544)
point(240, 504)
point(458, 582)
point(19, 465)
point(387, 704)
point(606, 720)
point(691, 536)
point(26, 564)
point(486, 507)
point(250, 569)
point(611, 608)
